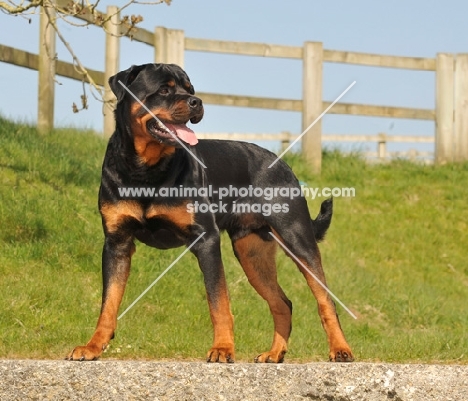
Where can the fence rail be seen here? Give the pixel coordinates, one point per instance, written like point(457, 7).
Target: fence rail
point(382, 139)
point(451, 71)
point(25, 59)
point(68, 70)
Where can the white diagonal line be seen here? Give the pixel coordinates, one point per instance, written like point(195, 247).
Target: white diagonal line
point(311, 125)
point(160, 276)
point(158, 120)
point(313, 275)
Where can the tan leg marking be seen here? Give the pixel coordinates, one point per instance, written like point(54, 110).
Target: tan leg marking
point(223, 325)
point(340, 351)
point(257, 258)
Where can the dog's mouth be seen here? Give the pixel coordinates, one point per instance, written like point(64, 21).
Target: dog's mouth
point(169, 133)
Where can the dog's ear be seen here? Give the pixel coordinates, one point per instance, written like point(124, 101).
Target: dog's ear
point(126, 78)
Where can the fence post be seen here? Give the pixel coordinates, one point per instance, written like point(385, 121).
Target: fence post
point(461, 108)
point(382, 147)
point(169, 46)
point(413, 155)
point(312, 104)
point(285, 140)
point(444, 108)
point(111, 68)
point(46, 69)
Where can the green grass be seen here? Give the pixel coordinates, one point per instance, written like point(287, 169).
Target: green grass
point(395, 254)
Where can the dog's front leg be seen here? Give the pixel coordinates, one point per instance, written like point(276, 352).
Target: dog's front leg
point(208, 253)
point(116, 258)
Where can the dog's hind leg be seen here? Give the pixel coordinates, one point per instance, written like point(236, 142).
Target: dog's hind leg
point(307, 258)
point(257, 258)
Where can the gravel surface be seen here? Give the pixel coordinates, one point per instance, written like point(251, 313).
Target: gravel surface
point(129, 380)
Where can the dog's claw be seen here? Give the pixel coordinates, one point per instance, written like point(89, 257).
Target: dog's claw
point(270, 357)
point(342, 356)
point(83, 353)
point(221, 355)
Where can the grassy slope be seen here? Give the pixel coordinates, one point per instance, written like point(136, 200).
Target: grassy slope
point(395, 254)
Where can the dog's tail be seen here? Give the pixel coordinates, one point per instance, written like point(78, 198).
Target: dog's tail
point(323, 219)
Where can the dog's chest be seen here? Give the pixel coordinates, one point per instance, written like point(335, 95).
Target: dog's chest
point(158, 225)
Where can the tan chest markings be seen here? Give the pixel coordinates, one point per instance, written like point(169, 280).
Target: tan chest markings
point(114, 214)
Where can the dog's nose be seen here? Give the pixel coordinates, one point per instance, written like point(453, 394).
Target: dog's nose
point(194, 102)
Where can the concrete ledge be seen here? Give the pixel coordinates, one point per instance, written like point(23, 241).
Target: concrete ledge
point(129, 380)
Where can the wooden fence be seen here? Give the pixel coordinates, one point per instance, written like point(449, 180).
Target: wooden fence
point(451, 82)
point(380, 154)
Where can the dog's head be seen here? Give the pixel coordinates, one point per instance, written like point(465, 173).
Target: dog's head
point(161, 90)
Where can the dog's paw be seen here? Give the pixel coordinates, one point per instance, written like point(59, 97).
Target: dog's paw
point(85, 353)
point(343, 355)
point(221, 354)
point(270, 357)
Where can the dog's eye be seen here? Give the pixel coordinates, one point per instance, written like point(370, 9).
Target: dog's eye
point(163, 91)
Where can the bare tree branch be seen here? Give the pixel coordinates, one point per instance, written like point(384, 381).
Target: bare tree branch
point(86, 11)
point(14, 9)
point(80, 68)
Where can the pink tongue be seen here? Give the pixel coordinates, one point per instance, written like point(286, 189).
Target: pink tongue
point(184, 133)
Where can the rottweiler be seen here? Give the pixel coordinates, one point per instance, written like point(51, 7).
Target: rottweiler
point(236, 192)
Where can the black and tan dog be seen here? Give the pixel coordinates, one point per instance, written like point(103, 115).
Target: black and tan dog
point(141, 154)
